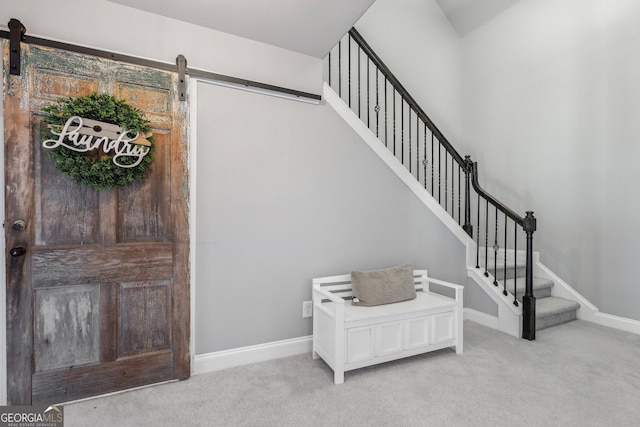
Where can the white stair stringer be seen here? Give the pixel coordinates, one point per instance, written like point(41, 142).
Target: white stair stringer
point(509, 316)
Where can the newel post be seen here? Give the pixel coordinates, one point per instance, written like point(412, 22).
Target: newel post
point(528, 300)
point(468, 167)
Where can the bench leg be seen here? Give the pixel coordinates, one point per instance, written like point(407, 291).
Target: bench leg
point(315, 355)
point(338, 377)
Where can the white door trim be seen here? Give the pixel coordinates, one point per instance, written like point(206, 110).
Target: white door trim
point(192, 97)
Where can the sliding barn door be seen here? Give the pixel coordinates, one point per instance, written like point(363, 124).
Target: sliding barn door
point(98, 300)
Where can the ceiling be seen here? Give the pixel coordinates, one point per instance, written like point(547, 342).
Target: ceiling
point(311, 27)
point(467, 15)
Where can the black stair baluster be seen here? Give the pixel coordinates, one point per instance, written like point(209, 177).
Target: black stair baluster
point(340, 68)
point(402, 130)
point(359, 80)
point(439, 174)
point(417, 148)
point(459, 195)
point(446, 163)
point(386, 131)
point(410, 153)
point(368, 100)
point(478, 236)
point(486, 239)
point(349, 67)
point(359, 83)
point(495, 252)
point(515, 264)
point(504, 291)
point(424, 161)
point(433, 161)
point(394, 122)
point(330, 68)
point(453, 190)
point(377, 107)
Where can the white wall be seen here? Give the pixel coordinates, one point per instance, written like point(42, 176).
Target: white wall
point(109, 26)
point(421, 48)
point(287, 192)
point(551, 101)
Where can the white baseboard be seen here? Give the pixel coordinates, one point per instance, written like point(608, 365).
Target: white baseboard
point(216, 361)
point(617, 322)
point(481, 318)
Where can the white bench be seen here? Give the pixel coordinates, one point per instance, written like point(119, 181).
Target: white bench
point(350, 337)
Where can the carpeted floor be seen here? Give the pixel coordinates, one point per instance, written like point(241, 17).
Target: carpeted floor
point(576, 374)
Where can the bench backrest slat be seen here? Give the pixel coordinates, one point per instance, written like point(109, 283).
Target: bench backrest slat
point(341, 285)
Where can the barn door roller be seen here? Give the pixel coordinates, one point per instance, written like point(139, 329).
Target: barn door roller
point(181, 61)
point(16, 35)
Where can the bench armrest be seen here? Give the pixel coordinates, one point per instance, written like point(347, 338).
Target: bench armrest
point(446, 284)
point(457, 288)
point(320, 294)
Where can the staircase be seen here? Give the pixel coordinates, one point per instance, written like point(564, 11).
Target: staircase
point(382, 111)
point(550, 310)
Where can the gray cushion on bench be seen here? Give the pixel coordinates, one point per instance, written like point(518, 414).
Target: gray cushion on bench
point(377, 287)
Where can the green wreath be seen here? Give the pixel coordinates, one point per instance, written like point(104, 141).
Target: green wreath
point(89, 167)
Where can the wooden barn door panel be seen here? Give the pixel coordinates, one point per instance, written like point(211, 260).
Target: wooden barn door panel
point(100, 300)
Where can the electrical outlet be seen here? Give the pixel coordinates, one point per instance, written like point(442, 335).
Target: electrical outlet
point(307, 309)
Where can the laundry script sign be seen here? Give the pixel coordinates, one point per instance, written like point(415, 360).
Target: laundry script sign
point(83, 135)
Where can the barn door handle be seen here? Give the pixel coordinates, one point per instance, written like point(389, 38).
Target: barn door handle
point(18, 251)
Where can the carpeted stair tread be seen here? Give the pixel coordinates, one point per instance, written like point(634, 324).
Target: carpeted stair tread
point(553, 305)
point(551, 311)
point(513, 269)
point(541, 287)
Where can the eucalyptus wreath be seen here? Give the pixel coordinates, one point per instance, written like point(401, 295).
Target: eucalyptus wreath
point(90, 168)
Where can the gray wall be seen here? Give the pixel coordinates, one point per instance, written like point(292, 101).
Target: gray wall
point(417, 42)
point(287, 192)
point(553, 86)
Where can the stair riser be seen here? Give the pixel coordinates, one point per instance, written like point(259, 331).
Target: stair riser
point(555, 319)
point(538, 293)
